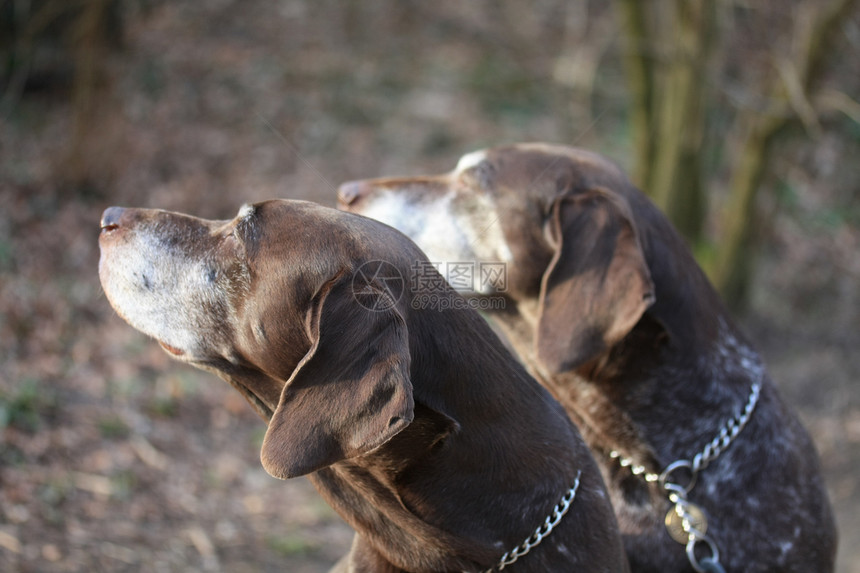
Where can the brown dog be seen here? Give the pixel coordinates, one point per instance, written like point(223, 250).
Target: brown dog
point(607, 307)
point(415, 424)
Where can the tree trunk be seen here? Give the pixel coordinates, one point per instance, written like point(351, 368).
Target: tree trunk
point(668, 116)
point(676, 179)
point(638, 57)
point(732, 266)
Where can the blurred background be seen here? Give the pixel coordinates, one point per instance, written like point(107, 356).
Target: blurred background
point(741, 119)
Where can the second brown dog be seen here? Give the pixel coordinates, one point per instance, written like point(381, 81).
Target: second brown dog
point(707, 467)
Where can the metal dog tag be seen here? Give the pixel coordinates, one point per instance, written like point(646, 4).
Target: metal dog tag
point(675, 526)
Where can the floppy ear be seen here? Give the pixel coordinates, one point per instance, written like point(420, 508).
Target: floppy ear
point(597, 284)
point(350, 393)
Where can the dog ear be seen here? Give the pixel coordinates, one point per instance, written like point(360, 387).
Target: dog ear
point(597, 284)
point(351, 392)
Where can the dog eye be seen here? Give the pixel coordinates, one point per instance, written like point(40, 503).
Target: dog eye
point(480, 168)
point(479, 176)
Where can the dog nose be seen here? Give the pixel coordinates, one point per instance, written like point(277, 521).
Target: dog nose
point(350, 191)
point(111, 217)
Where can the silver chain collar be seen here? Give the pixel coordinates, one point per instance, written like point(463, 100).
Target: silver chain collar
point(541, 532)
point(685, 521)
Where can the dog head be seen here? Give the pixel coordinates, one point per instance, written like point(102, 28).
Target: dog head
point(553, 215)
point(269, 301)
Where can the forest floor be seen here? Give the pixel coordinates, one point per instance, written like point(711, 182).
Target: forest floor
point(115, 458)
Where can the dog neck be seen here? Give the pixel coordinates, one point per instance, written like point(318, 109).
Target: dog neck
point(591, 402)
point(464, 398)
point(636, 397)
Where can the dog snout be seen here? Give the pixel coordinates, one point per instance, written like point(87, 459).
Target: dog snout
point(111, 218)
